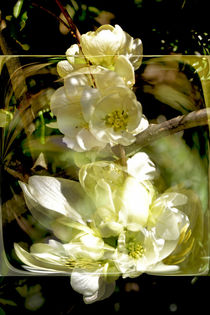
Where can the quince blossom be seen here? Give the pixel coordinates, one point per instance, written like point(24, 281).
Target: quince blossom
point(94, 117)
point(111, 223)
point(109, 47)
point(121, 199)
point(62, 206)
point(88, 275)
point(102, 46)
point(144, 250)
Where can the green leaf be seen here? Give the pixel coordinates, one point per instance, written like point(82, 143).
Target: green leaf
point(7, 302)
point(94, 10)
point(5, 118)
point(17, 8)
point(24, 46)
point(2, 312)
point(23, 290)
point(24, 18)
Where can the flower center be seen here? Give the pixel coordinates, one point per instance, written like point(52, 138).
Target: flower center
point(135, 250)
point(118, 120)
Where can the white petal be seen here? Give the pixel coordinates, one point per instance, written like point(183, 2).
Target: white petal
point(120, 99)
point(169, 224)
point(103, 195)
point(175, 199)
point(36, 265)
point(110, 229)
point(124, 68)
point(170, 220)
point(92, 242)
point(162, 269)
point(136, 200)
point(68, 223)
point(64, 68)
point(48, 252)
point(62, 231)
point(74, 85)
point(136, 53)
point(58, 100)
point(92, 286)
point(141, 167)
point(71, 52)
point(82, 140)
point(72, 143)
point(143, 124)
point(85, 283)
point(87, 141)
point(70, 119)
point(75, 57)
point(59, 195)
point(89, 97)
point(43, 215)
point(106, 80)
point(105, 290)
point(101, 46)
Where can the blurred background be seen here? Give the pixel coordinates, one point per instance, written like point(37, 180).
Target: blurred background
point(166, 27)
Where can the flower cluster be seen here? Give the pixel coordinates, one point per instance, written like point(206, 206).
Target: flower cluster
point(96, 106)
point(112, 221)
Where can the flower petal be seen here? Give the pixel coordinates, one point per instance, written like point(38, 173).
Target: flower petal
point(105, 80)
point(74, 84)
point(85, 283)
point(101, 46)
point(143, 124)
point(90, 96)
point(162, 269)
point(75, 57)
point(58, 100)
point(87, 141)
point(59, 195)
point(92, 286)
point(136, 199)
point(136, 53)
point(37, 265)
point(124, 69)
point(116, 116)
point(105, 290)
point(64, 68)
point(141, 167)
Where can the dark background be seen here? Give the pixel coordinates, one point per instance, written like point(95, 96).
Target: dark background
point(161, 24)
point(145, 295)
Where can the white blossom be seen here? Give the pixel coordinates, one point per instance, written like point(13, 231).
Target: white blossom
point(92, 117)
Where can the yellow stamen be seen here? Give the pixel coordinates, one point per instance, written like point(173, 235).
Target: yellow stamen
point(118, 120)
point(84, 264)
point(135, 250)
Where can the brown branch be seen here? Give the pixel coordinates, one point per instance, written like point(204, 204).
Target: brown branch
point(119, 150)
point(73, 28)
point(23, 178)
point(166, 128)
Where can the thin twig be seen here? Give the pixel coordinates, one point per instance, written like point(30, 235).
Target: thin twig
point(73, 28)
point(168, 127)
point(120, 151)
